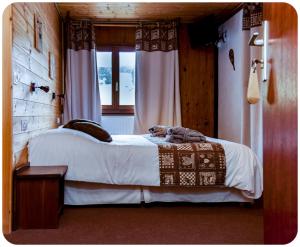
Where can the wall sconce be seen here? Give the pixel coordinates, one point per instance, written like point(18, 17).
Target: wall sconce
point(43, 88)
point(46, 89)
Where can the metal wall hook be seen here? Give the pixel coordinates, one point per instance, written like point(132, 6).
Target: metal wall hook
point(254, 41)
point(54, 95)
point(253, 66)
point(255, 62)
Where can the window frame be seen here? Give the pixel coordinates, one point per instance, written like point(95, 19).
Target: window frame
point(116, 108)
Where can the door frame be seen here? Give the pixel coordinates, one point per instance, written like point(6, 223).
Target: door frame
point(7, 133)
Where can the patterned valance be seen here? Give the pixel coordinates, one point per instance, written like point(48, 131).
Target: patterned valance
point(252, 15)
point(80, 35)
point(159, 36)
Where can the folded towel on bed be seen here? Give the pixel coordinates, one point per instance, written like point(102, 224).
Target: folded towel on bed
point(159, 130)
point(181, 135)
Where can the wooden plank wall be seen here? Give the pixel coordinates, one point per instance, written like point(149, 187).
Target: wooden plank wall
point(118, 36)
point(37, 110)
point(197, 85)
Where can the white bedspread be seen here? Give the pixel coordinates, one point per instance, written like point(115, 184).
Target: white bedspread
point(132, 160)
point(128, 159)
point(244, 171)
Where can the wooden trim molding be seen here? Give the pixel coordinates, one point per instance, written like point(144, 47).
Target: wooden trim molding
point(7, 152)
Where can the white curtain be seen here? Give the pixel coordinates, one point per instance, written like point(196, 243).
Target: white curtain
point(82, 99)
point(157, 77)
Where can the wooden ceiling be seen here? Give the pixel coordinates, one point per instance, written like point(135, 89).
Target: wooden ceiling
point(187, 12)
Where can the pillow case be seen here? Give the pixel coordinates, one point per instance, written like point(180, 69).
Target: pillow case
point(89, 127)
point(71, 122)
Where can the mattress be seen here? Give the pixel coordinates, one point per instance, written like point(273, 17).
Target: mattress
point(132, 160)
point(83, 193)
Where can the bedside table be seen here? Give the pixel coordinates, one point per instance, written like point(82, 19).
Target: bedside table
point(39, 196)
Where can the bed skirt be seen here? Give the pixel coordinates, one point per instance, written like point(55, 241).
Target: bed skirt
point(83, 193)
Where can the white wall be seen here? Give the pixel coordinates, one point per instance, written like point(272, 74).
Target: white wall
point(118, 125)
point(233, 109)
point(256, 111)
point(238, 121)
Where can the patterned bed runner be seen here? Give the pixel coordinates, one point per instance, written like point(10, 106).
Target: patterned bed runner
point(190, 164)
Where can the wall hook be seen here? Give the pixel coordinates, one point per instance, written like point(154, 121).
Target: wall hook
point(54, 95)
point(254, 64)
point(254, 41)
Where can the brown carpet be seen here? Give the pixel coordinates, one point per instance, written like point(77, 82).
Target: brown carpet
point(154, 224)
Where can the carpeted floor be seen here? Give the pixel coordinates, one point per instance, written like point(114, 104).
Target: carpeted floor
point(154, 224)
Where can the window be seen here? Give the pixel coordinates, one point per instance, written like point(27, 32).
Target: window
point(116, 76)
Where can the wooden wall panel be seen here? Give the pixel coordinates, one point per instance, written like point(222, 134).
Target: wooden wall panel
point(36, 109)
point(280, 126)
point(197, 75)
point(7, 152)
point(107, 36)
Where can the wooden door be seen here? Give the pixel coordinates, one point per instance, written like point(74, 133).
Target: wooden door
point(280, 126)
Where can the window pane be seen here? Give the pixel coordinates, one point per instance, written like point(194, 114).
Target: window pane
point(127, 78)
point(104, 67)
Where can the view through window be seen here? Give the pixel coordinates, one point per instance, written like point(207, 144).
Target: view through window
point(116, 76)
point(127, 78)
point(104, 66)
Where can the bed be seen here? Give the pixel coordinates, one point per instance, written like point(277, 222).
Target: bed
point(126, 170)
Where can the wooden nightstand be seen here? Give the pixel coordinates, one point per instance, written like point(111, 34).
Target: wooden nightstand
point(39, 196)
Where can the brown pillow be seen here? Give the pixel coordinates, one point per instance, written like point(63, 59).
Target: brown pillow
point(90, 128)
point(71, 122)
